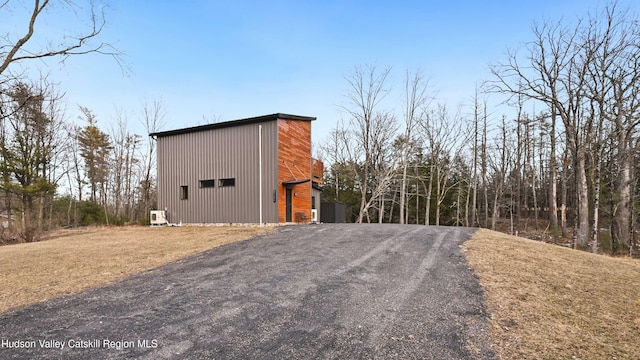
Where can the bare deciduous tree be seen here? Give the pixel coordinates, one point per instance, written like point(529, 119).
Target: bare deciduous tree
point(614, 90)
point(18, 47)
point(555, 73)
point(370, 133)
point(153, 118)
point(124, 160)
point(445, 136)
point(500, 164)
point(416, 99)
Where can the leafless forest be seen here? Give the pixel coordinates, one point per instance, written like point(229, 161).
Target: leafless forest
point(561, 162)
point(56, 171)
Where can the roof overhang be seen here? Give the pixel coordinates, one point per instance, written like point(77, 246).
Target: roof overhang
point(295, 182)
point(224, 124)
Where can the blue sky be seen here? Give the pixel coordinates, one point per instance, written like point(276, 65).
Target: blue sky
point(227, 60)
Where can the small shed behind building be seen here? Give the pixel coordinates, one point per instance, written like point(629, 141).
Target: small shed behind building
point(333, 212)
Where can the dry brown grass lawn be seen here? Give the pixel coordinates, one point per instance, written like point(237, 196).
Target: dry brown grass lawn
point(549, 302)
point(76, 260)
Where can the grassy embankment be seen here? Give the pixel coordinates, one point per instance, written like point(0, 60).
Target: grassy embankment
point(550, 302)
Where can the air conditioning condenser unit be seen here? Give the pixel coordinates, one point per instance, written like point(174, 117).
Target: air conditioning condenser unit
point(158, 218)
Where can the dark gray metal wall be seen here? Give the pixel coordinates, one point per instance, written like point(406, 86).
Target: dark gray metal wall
point(230, 152)
point(333, 213)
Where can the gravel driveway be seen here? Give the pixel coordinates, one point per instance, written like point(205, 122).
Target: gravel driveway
point(325, 291)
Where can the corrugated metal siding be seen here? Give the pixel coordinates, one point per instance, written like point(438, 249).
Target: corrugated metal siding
point(333, 213)
point(230, 152)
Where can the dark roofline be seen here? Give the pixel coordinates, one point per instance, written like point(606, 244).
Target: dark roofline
point(295, 182)
point(224, 124)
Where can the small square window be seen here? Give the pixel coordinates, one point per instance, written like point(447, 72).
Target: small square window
point(227, 182)
point(207, 183)
point(184, 192)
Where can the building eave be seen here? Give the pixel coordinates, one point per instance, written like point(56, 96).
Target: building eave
point(295, 182)
point(225, 124)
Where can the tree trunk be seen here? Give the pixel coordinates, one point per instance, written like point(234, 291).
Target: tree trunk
point(393, 203)
point(534, 193)
point(499, 190)
point(427, 206)
point(582, 190)
point(403, 189)
point(438, 201)
point(50, 226)
point(69, 211)
point(474, 202)
point(483, 162)
point(518, 167)
point(474, 164)
point(467, 202)
point(496, 210)
point(28, 234)
point(458, 221)
point(553, 174)
point(417, 205)
point(553, 197)
point(41, 213)
point(596, 165)
point(363, 202)
point(621, 221)
point(596, 208)
point(563, 197)
point(632, 239)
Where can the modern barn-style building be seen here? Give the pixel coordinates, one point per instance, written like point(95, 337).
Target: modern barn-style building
point(254, 170)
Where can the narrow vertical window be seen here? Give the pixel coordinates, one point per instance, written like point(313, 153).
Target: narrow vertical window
point(184, 192)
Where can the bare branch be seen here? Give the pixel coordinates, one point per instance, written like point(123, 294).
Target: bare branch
point(80, 45)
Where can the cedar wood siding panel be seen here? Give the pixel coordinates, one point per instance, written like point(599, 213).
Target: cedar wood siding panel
point(230, 152)
point(317, 171)
point(294, 163)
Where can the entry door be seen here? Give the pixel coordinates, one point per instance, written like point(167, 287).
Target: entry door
point(288, 205)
